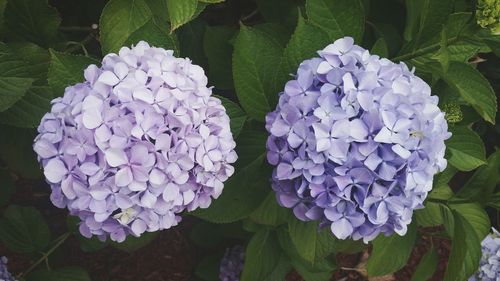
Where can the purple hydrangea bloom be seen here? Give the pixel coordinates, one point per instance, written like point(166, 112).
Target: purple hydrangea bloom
point(5, 275)
point(489, 266)
point(355, 140)
point(138, 142)
point(232, 264)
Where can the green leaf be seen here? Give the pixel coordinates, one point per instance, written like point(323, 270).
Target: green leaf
point(181, 11)
point(211, 1)
point(66, 69)
point(60, 274)
point(442, 56)
point(465, 252)
point(306, 40)
point(322, 269)
point(443, 192)
point(427, 266)
point(481, 186)
point(159, 9)
point(473, 88)
point(7, 187)
point(206, 235)
point(255, 60)
point(319, 243)
point(338, 18)
point(444, 177)
point(279, 11)
point(90, 245)
point(3, 3)
point(32, 20)
point(29, 110)
point(425, 19)
point(191, 41)
point(448, 219)
point(262, 256)
point(208, 268)
point(269, 212)
point(236, 115)
point(429, 216)
point(218, 50)
point(23, 230)
point(476, 216)
point(246, 189)
point(156, 35)
point(309, 275)
point(466, 149)
point(391, 253)
point(280, 271)
point(305, 247)
point(38, 59)
point(119, 19)
point(380, 48)
point(132, 244)
point(14, 77)
point(16, 151)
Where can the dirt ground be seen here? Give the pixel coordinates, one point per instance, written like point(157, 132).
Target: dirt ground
point(172, 256)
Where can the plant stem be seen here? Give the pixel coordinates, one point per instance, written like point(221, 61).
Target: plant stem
point(44, 257)
point(81, 44)
point(425, 50)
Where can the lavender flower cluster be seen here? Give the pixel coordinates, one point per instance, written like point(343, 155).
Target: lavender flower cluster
point(355, 141)
point(5, 275)
point(489, 266)
point(138, 142)
point(232, 264)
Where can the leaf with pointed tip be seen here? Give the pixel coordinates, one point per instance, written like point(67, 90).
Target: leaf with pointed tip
point(391, 253)
point(32, 20)
point(255, 60)
point(236, 115)
point(66, 70)
point(338, 18)
point(15, 78)
point(466, 149)
point(471, 85)
point(28, 111)
point(157, 35)
point(181, 11)
point(119, 19)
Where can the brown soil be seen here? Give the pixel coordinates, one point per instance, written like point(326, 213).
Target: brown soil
point(171, 256)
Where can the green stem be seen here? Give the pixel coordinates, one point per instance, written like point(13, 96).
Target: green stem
point(44, 257)
point(81, 45)
point(423, 51)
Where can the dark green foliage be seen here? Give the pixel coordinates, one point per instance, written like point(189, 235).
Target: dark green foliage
point(249, 49)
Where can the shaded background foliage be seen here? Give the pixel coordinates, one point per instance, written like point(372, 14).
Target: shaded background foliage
point(248, 49)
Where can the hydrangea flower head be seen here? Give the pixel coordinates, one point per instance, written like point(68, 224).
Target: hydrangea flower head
point(138, 142)
point(488, 15)
point(232, 264)
point(489, 266)
point(5, 275)
point(355, 140)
